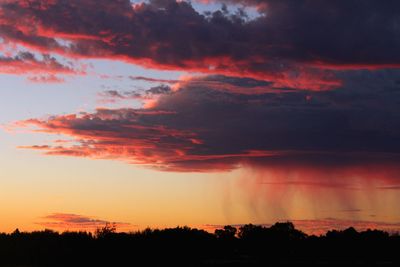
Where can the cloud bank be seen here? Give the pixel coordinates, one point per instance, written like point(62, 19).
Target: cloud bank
point(294, 43)
point(206, 124)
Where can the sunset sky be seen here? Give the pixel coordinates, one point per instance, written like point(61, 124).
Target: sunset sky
point(203, 113)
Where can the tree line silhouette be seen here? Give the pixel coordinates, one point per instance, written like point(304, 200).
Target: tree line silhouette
point(249, 245)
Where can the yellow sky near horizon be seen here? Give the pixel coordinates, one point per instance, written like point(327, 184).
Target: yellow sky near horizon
point(35, 186)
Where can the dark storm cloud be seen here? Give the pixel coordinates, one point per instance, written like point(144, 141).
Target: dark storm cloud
point(291, 44)
point(198, 128)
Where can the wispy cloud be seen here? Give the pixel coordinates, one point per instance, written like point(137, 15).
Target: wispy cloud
point(44, 66)
point(69, 221)
point(46, 79)
point(152, 80)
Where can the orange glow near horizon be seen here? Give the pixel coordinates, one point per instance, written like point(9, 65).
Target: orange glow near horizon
point(201, 113)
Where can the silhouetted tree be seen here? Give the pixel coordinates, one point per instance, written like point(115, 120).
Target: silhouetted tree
point(105, 231)
point(250, 245)
point(227, 233)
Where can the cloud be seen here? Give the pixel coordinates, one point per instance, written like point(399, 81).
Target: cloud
point(322, 184)
point(68, 221)
point(261, 5)
point(152, 80)
point(159, 90)
point(390, 187)
point(27, 63)
point(295, 44)
point(247, 86)
point(46, 79)
point(202, 128)
point(147, 96)
point(216, 82)
point(112, 95)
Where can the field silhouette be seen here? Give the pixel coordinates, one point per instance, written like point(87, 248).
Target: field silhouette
point(249, 245)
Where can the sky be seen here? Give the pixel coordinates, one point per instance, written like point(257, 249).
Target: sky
point(203, 113)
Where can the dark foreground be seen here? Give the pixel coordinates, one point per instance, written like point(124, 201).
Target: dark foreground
point(250, 245)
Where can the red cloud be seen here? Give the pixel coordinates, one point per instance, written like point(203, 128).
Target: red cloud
point(297, 45)
point(120, 134)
